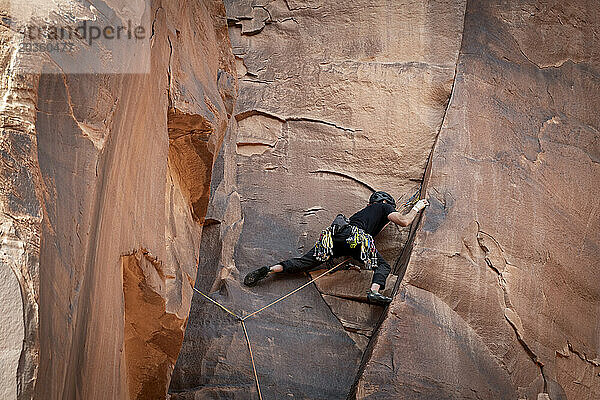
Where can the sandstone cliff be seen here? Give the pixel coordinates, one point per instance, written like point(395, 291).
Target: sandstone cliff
point(335, 100)
point(332, 104)
point(245, 128)
point(105, 183)
point(501, 296)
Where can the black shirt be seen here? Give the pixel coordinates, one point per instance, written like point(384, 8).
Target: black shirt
point(372, 218)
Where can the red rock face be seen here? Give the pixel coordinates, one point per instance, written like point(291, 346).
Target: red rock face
point(335, 99)
point(504, 267)
point(104, 213)
point(120, 191)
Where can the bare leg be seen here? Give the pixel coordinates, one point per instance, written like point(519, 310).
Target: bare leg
point(375, 287)
point(276, 268)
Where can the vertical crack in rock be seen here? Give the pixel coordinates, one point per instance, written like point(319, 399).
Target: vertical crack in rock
point(169, 74)
point(154, 22)
point(401, 263)
point(511, 316)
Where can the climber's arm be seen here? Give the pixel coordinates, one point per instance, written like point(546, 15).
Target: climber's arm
point(407, 219)
point(402, 220)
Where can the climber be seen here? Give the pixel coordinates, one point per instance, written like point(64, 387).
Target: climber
point(352, 237)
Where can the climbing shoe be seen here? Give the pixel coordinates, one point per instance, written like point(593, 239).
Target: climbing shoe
point(253, 277)
point(378, 298)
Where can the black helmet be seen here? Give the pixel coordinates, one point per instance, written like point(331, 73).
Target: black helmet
point(379, 197)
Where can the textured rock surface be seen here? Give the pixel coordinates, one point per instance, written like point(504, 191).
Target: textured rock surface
point(510, 244)
point(356, 284)
point(114, 188)
point(104, 187)
point(12, 331)
point(20, 225)
point(335, 99)
point(345, 292)
point(426, 351)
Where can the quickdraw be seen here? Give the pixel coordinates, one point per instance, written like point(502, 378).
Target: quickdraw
point(324, 245)
point(358, 237)
point(413, 199)
point(368, 252)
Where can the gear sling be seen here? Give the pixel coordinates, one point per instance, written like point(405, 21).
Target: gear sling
point(342, 239)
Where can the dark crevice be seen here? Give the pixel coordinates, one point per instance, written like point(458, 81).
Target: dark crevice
point(530, 353)
point(323, 171)
point(402, 261)
point(170, 100)
point(249, 113)
point(154, 21)
point(582, 356)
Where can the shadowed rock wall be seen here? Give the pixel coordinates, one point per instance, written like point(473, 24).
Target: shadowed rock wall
point(335, 98)
point(501, 297)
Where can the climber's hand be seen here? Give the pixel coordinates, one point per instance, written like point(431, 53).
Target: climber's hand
point(421, 204)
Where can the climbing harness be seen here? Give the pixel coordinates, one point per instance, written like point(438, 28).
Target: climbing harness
point(368, 253)
point(324, 245)
point(243, 319)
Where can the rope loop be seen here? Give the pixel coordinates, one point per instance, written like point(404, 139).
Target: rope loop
point(261, 309)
